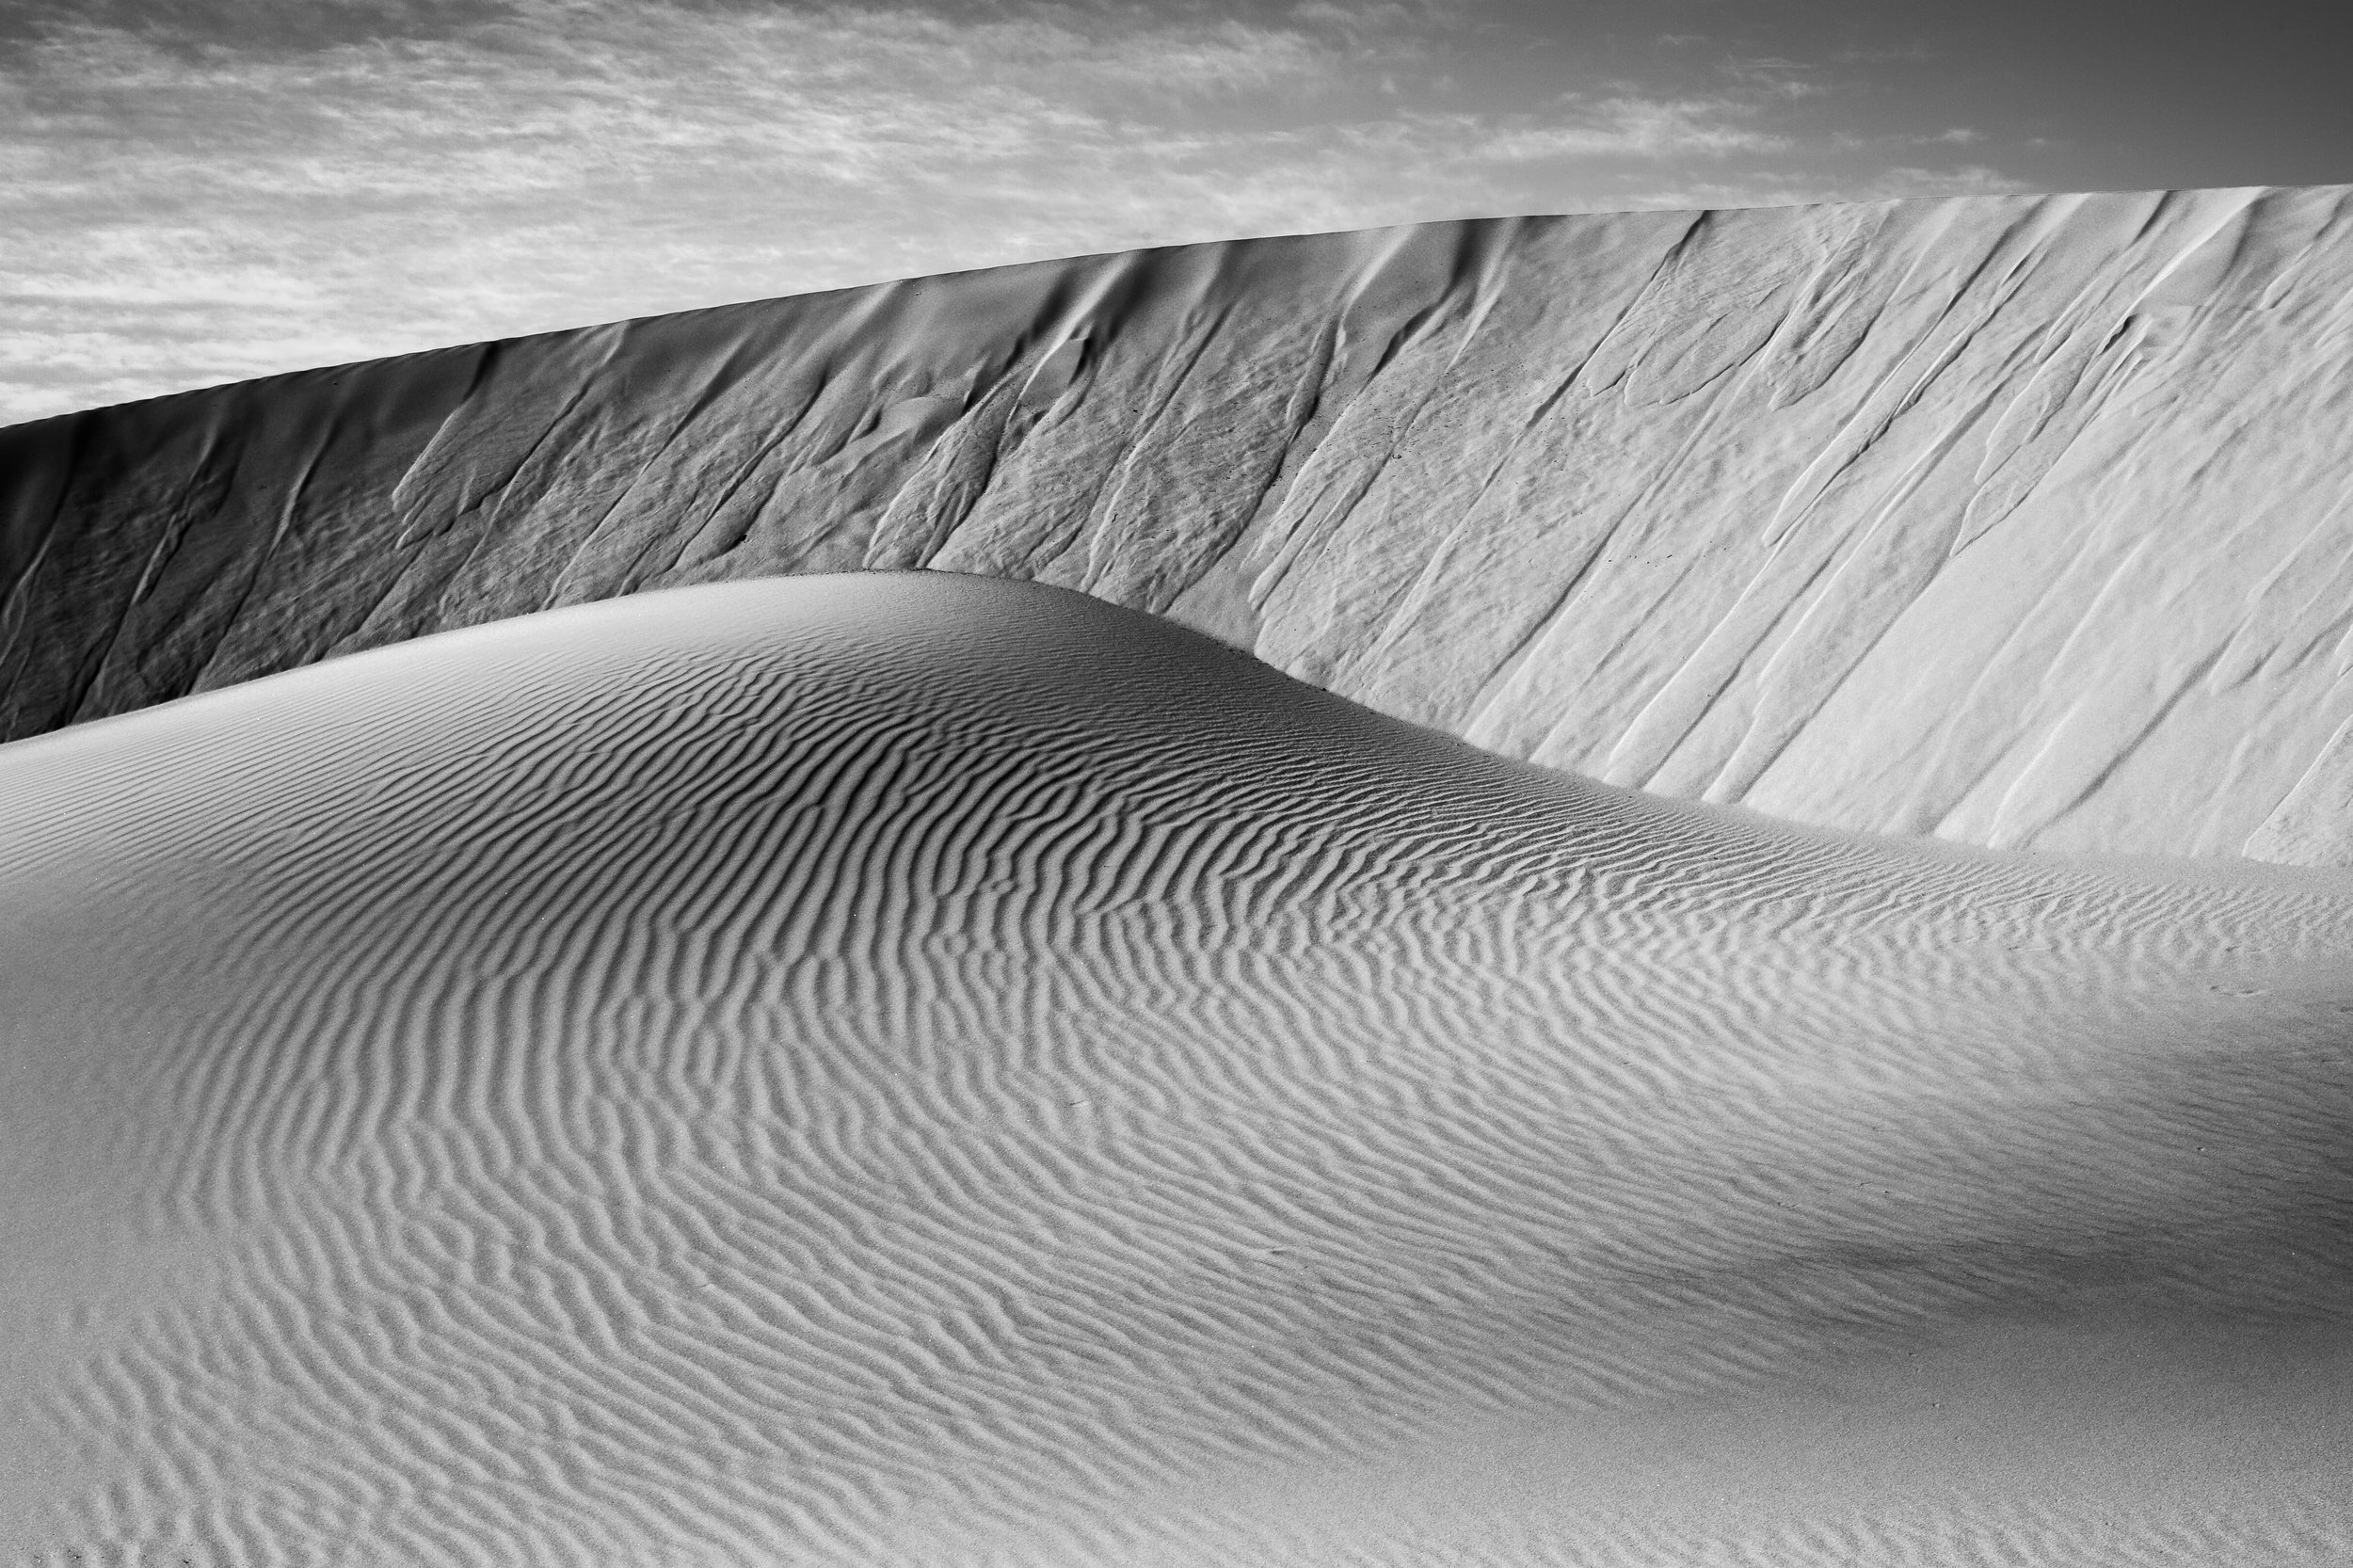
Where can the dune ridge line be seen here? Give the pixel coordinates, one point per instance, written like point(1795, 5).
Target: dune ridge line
point(2010, 520)
point(921, 1069)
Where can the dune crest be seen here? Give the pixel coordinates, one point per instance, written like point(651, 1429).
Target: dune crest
point(913, 1069)
point(2016, 522)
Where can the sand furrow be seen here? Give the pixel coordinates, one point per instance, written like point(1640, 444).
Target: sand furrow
point(923, 1070)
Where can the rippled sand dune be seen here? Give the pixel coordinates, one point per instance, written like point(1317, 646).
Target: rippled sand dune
point(907, 1069)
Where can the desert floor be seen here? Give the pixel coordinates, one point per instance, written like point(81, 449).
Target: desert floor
point(909, 1069)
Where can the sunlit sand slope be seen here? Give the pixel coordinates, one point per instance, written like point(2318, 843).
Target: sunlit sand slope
point(908, 1070)
point(2015, 520)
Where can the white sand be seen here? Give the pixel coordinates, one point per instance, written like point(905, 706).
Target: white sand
point(910, 1070)
point(2013, 521)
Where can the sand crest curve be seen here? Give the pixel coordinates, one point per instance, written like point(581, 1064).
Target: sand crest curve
point(915, 1069)
point(2009, 520)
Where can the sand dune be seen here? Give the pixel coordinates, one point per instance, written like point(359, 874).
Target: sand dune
point(2012, 520)
point(912, 1070)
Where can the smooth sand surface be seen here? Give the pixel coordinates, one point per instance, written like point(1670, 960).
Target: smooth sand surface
point(2012, 520)
point(908, 1070)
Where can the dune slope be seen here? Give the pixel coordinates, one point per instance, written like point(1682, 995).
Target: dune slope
point(911, 1069)
point(2014, 521)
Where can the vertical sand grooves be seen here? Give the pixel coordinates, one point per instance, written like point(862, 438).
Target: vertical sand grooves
point(915, 1069)
point(2010, 520)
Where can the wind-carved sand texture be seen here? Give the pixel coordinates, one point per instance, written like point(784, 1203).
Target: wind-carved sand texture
point(2017, 521)
point(910, 1069)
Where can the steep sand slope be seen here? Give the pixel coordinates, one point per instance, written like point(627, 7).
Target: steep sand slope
point(908, 1070)
point(2018, 520)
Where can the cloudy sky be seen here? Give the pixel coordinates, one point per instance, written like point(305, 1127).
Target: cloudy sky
point(194, 191)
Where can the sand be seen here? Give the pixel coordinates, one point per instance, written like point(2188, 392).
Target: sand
point(912, 1070)
point(2012, 520)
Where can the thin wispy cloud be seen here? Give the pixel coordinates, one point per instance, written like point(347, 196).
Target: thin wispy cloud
point(1627, 125)
point(201, 199)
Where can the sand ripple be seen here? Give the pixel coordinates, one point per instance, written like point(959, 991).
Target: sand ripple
point(910, 1069)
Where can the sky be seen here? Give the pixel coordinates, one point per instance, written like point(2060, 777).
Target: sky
point(196, 191)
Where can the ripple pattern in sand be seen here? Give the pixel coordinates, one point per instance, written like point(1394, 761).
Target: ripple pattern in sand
point(915, 1070)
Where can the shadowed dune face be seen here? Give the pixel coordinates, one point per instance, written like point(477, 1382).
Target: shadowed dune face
point(2017, 521)
point(912, 1070)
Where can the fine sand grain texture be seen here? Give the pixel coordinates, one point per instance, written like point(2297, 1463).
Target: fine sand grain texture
point(2023, 521)
point(905, 1070)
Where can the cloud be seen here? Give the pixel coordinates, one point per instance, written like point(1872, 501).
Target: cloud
point(199, 192)
point(1630, 126)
